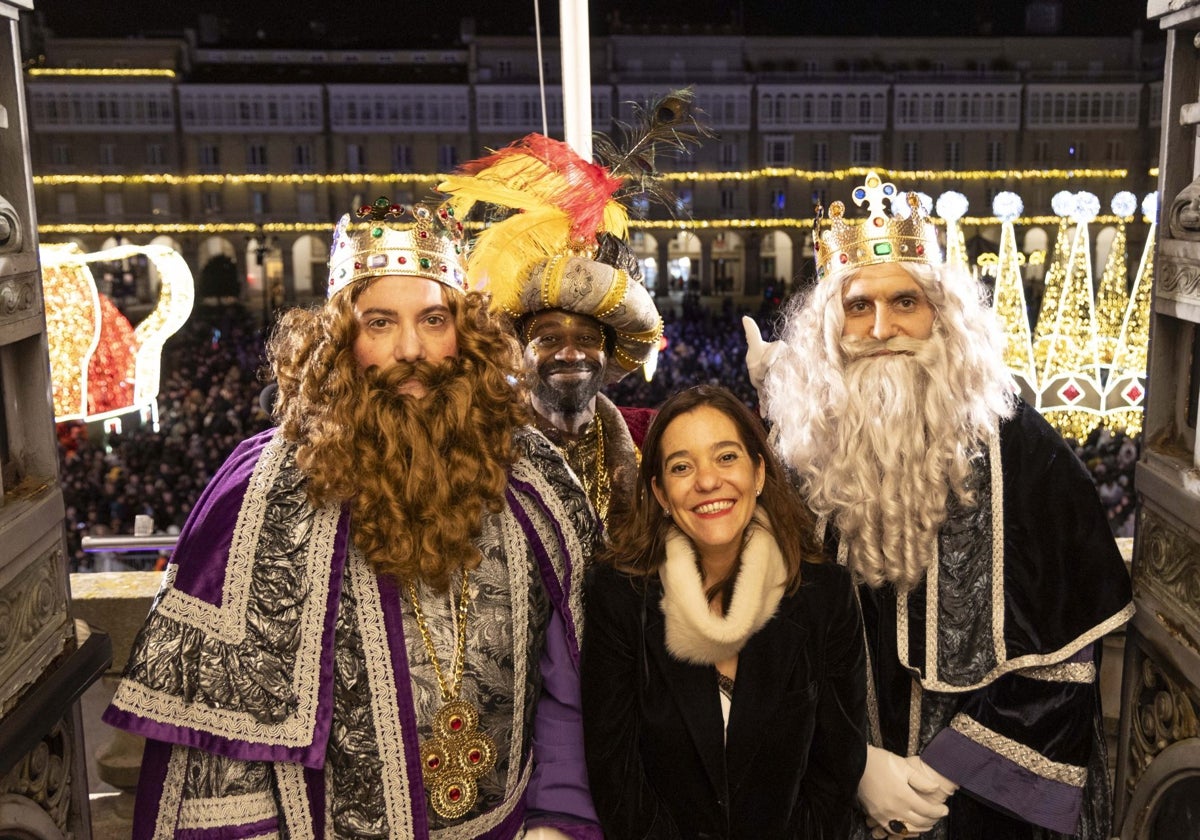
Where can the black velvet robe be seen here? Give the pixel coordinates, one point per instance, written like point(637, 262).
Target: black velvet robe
point(1005, 667)
point(661, 763)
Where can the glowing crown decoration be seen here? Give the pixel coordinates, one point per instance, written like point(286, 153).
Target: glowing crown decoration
point(842, 245)
point(101, 366)
point(392, 239)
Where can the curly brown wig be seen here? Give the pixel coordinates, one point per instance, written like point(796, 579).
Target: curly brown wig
point(418, 474)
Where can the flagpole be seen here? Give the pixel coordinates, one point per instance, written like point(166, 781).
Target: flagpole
point(575, 50)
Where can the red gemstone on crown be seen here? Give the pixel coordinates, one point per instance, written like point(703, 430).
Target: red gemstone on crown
point(877, 221)
point(402, 260)
point(357, 265)
point(920, 249)
point(844, 258)
point(364, 210)
point(394, 208)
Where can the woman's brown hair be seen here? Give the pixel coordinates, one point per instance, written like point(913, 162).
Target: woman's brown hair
point(638, 542)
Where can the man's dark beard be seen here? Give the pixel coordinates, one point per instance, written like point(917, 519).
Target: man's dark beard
point(567, 397)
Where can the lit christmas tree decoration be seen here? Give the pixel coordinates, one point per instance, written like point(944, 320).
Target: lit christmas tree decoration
point(1125, 391)
point(1112, 299)
point(1070, 391)
point(1009, 299)
point(1052, 287)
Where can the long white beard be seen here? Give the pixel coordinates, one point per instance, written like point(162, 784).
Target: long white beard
point(894, 457)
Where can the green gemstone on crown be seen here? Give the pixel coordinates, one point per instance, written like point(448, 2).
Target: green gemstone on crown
point(882, 249)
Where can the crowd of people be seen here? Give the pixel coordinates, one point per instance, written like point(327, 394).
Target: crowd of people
point(210, 402)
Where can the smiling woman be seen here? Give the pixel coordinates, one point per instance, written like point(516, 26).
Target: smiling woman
point(714, 631)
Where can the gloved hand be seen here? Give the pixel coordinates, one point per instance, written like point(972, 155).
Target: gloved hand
point(929, 782)
point(760, 355)
point(889, 800)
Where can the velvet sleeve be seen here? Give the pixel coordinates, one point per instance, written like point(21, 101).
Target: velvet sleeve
point(558, 790)
point(838, 751)
point(612, 664)
point(1023, 742)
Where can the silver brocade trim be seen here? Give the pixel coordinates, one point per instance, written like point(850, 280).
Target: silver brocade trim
point(914, 718)
point(385, 709)
point(997, 468)
point(168, 803)
point(297, 729)
point(1069, 672)
point(516, 550)
point(219, 811)
point(293, 800)
point(225, 621)
point(528, 472)
point(1019, 754)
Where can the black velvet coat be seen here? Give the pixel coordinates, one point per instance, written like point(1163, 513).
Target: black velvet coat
point(660, 764)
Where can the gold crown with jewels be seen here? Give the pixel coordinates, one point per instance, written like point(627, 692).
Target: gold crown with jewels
point(906, 236)
point(416, 241)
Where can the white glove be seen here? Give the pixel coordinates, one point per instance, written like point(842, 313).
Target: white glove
point(888, 799)
point(929, 782)
point(760, 355)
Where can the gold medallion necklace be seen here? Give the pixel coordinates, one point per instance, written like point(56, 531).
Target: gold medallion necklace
point(458, 753)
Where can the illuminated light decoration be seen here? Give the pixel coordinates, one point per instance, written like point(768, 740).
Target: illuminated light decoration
point(1070, 393)
point(952, 206)
point(1112, 298)
point(853, 173)
point(1124, 203)
point(110, 374)
point(131, 367)
point(252, 228)
point(1125, 390)
point(1052, 283)
point(1150, 207)
point(1063, 203)
point(72, 327)
point(1009, 300)
point(101, 72)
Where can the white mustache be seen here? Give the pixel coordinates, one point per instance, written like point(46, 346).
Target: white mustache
point(858, 348)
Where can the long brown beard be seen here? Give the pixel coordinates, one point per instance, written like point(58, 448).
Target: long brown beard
point(425, 469)
point(894, 459)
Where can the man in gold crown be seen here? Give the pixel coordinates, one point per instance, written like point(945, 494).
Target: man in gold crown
point(988, 573)
point(369, 626)
point(562, 272)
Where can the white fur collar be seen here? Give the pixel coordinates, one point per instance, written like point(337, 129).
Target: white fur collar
point(693, 633)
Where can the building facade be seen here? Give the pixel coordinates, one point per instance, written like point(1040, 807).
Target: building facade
point(252, 153)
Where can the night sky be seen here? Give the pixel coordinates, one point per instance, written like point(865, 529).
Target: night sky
point(403, 24)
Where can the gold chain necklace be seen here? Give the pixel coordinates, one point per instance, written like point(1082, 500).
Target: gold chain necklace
point(593, 475)
point(458, 753)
